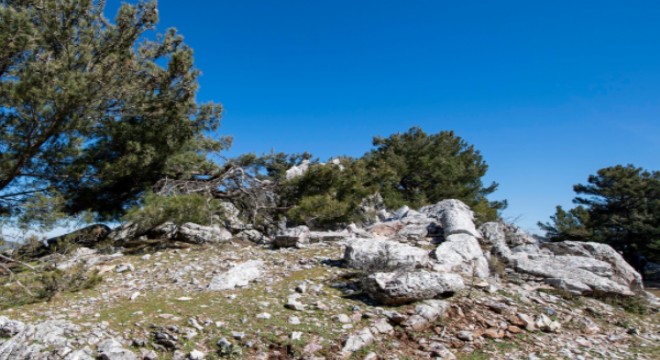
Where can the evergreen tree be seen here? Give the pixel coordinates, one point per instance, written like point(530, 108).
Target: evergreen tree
point(620, 206)
point(416, 169)
point(91, 112)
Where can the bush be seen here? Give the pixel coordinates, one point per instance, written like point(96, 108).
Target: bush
point(179, 209)
point(29, 287)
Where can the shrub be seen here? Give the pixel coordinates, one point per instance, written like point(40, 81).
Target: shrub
point(179, 209)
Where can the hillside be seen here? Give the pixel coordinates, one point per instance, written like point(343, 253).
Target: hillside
point(386, 291)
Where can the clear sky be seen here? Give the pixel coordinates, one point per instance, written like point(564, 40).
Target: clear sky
point(549, 92)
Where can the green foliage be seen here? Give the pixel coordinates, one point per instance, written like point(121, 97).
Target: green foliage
point(327, 195)
point(35, 286)
point(272, 166)
point(412, 168)
point(178, 209)
point(91, 113)
point(619, 206)
point(567, 225)
point(415, 169)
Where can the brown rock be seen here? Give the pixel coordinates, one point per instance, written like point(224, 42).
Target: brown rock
point(515, 320)
point(514, 329)
point(493, 333)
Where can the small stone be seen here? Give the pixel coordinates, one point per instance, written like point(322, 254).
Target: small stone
point(528, 322)
point(493, 333)
point(134, 295)
point(293, 304)
point(223, 343)
point(294, 320)
point(196, 355)
point(296, 335)
point(514, 329)
point(465, 335)
point(238, 335)
point(358, 340)
point(301, 288)
point(343, 318)
point(124, 268)
point(382, 326)
point(264, 316)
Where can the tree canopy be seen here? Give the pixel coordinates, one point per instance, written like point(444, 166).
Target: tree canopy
point(93, 111)
point(620, 206)
point(410, 168)
point(416, 169)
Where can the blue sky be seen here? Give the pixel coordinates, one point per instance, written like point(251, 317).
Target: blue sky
point(549, 92)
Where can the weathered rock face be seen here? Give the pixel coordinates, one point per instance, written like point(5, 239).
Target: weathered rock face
point(396, 288)
point(461, 253)
point(454, 215)
point(578, 267)
point(52, 339)
point(572, 273)
point(254, 236)
point(297, 170)
point(124, 232)
point(292, 237)
point(200, 234)
point(238, 276)
point(113, 350)
point(623, 273)
point(383, 255)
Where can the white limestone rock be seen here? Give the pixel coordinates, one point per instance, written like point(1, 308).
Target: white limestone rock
point(454, 216)
point(200, 234)
point(383, 255)
point(623, 273)
point(461, 253)
point(292, 237)
point(238, 276)
point(396, 288)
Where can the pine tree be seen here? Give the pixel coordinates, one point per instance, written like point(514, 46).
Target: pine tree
point(620, 206)
point(91, 112)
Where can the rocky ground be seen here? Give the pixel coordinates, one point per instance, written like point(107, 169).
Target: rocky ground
point(374, 293)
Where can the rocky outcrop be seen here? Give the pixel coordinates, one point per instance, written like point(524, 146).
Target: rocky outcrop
point(397, 288)
point(55, 339)
point(455, 217)
point(383, 255)
point(238, 276)
point(575, 274)
point(623, 273)
point(297, 170)
point(200, 234)
point(461, 253)
point(578, 267)
point(292, 237)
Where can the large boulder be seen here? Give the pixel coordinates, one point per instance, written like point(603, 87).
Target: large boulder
point(402, 287)
point(112, 349)
point(292, 237)
point(454, 216)
point(577, 267)
point(50, 339)
point(623, 273)
point(200, 234)
point(297, 170)
point(461, 253)
point(576, 274)
point(383, 255)
point(238, 276)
